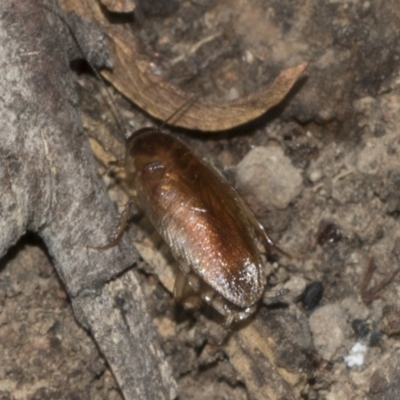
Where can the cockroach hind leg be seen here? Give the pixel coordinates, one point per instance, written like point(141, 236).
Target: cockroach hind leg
point(267, 241)
point(236, 316)
point(123, 222)
point(229, 321)
point(180, 286)
point(184, 293)
point(220, 305)
point(230, 314)
point(208, 295)
point(244, 314)
point(194, 282)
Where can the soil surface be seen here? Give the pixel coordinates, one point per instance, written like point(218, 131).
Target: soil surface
point(321, 172)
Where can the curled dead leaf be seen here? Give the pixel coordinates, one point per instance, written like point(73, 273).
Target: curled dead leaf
point(133, 77)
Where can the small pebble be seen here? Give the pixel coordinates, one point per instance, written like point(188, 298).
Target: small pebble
point(360, 328)
point(249, 57)
point(268, 174)
point(328, 232)
point(312, 295)
point(315, 176)
point(374, 338)
point(232, 94)
point(329, 329)
point(356, 356)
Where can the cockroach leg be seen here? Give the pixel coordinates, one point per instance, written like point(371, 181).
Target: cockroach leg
point(184, 293)
point(208, 296)
point(267, 241)
point(219, 304)
point(229, 320)
point(231, 314)
point(123, 222)
point(190, 291)
point(194, 282)
point(235, 316)
point(180, 285)
point(114, 166)
point(369, 295)
point(184, 267)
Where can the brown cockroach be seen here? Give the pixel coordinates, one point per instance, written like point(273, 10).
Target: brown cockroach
point(211, 232)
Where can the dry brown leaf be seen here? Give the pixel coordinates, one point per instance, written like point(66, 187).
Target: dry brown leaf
point(133, 77)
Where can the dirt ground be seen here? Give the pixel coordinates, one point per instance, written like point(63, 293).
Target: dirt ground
point(321, 172)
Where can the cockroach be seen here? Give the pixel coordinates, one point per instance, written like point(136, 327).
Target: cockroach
point(211, 232)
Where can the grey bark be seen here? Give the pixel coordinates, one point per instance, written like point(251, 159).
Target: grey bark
point(49, 185)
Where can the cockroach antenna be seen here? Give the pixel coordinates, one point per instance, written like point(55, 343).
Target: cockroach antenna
point(180, 110)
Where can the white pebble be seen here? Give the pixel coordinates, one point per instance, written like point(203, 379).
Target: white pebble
point(315, 176)
point(356, 356)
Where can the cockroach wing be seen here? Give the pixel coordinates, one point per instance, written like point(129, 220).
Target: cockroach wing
point(200, 216)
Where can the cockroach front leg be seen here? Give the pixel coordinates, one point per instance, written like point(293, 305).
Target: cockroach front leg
point(114, 166)
point(123, 222)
